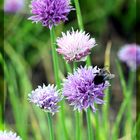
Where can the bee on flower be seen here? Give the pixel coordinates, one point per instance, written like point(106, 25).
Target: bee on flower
point(82, 90)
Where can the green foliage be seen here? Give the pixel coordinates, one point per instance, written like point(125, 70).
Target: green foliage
point(28, 55)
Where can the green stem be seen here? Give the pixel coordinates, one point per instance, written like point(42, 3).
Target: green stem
point(98, 129)
point(77, 116)
point(55, 57)
point(80, 24)
point(74, 66)
point(57, 79)
point(121, 76)
point(90, 137)
point(79, 16)
point(119, 117)
point(68, 68)
point(106, 113)
point(129, 121)
point(50, 126)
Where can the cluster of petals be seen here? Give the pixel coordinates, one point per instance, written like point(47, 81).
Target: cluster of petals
point(46, 97)
point(50, 12)
point(75, 45)
point(130, 54)
point(80, 90)
point(4, 135)
point(13, 5)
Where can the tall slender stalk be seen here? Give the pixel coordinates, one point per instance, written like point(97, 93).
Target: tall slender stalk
point(128, 121)
point(55, 57)
point(79, 15)
point(107, 95)
point(80, 24)
point(77, 116)
point(90, 136)
point(57, 79)
point(126, 103)
point(50, 126)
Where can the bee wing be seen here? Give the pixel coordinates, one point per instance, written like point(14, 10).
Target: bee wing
point(111, 76)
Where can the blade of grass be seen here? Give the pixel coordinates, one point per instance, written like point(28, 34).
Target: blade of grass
point(107, 95)
point(123, 105)
point(121, 76)
point(128, 120)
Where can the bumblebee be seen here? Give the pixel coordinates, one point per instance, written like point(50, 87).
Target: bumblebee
point(102, 76)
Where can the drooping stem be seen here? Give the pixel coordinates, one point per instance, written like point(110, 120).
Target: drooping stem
point(50, 126)
point(57, 79)
point(90, 137)
point(80, 24)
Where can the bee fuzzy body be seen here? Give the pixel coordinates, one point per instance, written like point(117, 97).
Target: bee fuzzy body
point(102, 76)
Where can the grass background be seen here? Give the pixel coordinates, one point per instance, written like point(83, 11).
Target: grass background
point(27, 62)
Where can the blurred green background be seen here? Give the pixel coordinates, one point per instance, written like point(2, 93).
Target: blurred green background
point(28, 60)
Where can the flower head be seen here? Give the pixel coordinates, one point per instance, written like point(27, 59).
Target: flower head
point(4, 135)
point(130, 54)
point(75, 45)
point(80, 90)
point(13, 5)
point(50, 12)
point(46, 98)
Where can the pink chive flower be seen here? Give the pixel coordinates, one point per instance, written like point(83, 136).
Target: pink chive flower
point(4, 135)
point(75, 45)
point(46, 97)
point(130, 54)
point(50, 12)
point(13, 5)
point(81, 91)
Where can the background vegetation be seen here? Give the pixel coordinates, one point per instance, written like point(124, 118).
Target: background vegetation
point(27, 62)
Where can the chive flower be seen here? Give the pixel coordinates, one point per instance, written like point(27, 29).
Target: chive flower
point(80, 90)
point(75, 45)
point(50, 12)
point(130, 54)
point(13, 5)
point(46, 97)
point(4, 135)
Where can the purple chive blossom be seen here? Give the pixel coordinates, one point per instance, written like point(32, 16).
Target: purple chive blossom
point(46, 97)
point(75, 45)
point(4, 135)
point(130, 54)
point(50, 12)
point(13, 5)
point(80, 90)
